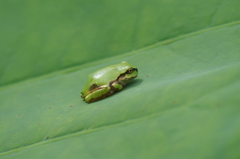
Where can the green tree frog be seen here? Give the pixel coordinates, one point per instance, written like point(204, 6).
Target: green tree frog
point(108, 81)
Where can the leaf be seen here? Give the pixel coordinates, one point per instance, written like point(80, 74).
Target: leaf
point(184, 103)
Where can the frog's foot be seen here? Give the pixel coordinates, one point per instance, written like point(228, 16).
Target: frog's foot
point(99, 93)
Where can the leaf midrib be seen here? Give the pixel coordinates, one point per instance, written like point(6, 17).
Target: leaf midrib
point(82, 66)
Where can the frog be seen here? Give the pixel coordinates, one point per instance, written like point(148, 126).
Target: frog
point(108, 81)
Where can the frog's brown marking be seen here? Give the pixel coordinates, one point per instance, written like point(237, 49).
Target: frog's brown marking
point(101, 97)
point(112, 91)
point(127, 72)
point(91, 91)
point(93, 86)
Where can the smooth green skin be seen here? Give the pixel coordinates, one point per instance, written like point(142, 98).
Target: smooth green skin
point(107, 81)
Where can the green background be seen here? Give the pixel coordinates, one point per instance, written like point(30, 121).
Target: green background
point(184, 103)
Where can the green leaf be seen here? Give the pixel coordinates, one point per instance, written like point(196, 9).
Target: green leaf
point(184, 103)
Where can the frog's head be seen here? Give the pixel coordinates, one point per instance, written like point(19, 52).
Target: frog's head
point(130, 72)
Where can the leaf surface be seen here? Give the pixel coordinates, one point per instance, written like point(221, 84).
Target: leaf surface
point(184, 103)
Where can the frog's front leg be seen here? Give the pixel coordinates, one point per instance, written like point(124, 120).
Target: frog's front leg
point(99, 93)
point(117, 86)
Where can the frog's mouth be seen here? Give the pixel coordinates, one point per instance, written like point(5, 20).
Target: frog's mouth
point(130, 78)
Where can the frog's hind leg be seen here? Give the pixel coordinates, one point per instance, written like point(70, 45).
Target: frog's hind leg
point(99, 93)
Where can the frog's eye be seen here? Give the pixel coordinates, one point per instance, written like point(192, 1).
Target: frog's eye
point(130, 70)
